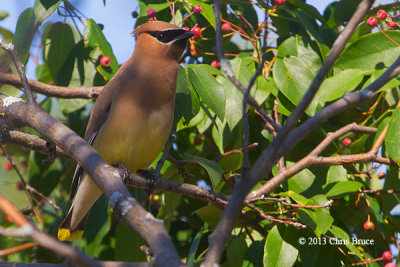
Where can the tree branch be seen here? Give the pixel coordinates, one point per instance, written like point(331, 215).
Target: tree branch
point(26, 230)
point(105, 176)
point(31, 142)
point(52, 90)
point(20, 68)
point(270, 156)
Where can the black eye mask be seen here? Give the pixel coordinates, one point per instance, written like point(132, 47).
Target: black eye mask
point(167, 35)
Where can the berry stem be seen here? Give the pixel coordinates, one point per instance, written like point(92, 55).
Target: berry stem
point(185, 18)
point(387, 36)
point(247, 22)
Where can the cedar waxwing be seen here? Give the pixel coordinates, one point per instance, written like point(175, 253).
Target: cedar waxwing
point(132, 118)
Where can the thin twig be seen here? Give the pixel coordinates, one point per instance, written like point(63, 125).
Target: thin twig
point(20, 68)
point(52, 90)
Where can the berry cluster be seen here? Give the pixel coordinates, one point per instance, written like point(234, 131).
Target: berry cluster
point(382, 15)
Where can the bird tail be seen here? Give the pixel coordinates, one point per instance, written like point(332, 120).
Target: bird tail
point(65, 231)
point(74, 223)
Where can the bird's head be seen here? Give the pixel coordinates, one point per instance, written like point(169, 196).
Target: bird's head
point(161, 39)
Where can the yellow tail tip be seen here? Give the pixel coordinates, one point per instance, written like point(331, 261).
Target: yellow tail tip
point(66, 234)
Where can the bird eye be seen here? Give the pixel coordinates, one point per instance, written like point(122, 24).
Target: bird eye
point(161, 37)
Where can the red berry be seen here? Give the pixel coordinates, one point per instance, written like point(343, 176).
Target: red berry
point(197, 9)
point(152, 19)
point(197, 141)
point(186, 28)
point(346, 141)
point(151, 12)
point(368, 225)
point(197, 31)
point(41, 203)
point(371, 21)
point(226, 27)
point(7, 166)
point(387, 255)
point(381, 175)
point(391, 25)
point(24, 164)
point(215, 64)
point(390, 264)
point(280, 2)
point(105, 61)
point(381, 14)
point(20, 186)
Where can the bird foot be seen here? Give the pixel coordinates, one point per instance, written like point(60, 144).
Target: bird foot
point(124, 171)
point(150, 177)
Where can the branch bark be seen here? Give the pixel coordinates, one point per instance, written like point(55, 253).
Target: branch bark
point(271, 155)
point(105, 176)
point(52, 90)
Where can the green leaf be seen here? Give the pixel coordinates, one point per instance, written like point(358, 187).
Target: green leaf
point(193, 249)
point(70, 105)
point(94, 37)
point(334, 87)
point(128, 243)
point(26, 27)
point(213, 169)
point(264, 89)
point(207, 11)
point(59, 44)
point(319, 220)
point(373, 51)
point(294, 70)
point(296, 197)
point(210, 91)
point(97, 227)
point(301, 181)
point(341, 188)
point(336, 174)
point(231, 162)
point(44, 8)
point(7, 35)
point(233, 102)
point(210, 215)
point(277, 251)
point(341, 235)
point(392, 141)
point(243, 67)
point(3, 15)
point(254, 254)
point(187, 102)
point(236, 251)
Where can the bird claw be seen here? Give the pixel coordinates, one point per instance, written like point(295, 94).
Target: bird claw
point(125, 173)
point(150, 177)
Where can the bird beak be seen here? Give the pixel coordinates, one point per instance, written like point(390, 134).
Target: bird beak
point(185, 35)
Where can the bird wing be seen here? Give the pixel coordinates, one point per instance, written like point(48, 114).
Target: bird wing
point(99, 115)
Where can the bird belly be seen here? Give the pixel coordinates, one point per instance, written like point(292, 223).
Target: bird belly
point(134, 141)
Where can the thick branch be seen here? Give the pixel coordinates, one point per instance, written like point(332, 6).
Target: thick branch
point(270, 156)
point(52, 90)
point(31, 142)
point(105, 176)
